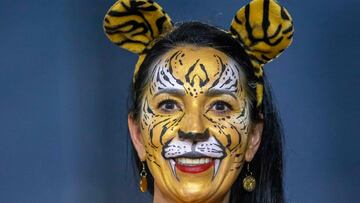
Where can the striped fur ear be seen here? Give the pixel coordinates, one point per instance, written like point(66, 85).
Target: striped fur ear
point(135, 24)
point(265, 29)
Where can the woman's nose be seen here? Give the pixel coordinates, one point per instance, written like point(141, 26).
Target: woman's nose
point(193, 121)
point(194, 137)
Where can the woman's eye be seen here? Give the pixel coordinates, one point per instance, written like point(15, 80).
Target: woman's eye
point(221, 107)
point(169, 106)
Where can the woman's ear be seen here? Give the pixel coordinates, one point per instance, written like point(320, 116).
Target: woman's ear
point(254, 139)
point(136, 137)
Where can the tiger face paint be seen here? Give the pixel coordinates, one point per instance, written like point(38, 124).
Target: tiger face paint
point(194, 124)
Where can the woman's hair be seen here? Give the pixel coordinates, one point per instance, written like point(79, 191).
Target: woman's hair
point(267, 165)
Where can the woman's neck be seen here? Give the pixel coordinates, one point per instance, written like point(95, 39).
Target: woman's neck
point(159, 197)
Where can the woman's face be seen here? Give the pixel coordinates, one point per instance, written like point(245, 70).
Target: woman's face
point(195, 124)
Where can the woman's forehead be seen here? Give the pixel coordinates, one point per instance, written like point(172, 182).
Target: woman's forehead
point(196, 70)
point(190, 60)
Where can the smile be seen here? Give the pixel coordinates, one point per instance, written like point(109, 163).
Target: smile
point(193, 158)
point(194, 165)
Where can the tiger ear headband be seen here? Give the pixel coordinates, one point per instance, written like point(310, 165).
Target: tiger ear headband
point(263, 28)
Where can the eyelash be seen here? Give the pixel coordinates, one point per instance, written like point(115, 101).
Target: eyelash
point(159, 106)
point(227, 105)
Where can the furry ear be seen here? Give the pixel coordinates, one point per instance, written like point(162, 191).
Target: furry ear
point(265, 29)
point(135, 24)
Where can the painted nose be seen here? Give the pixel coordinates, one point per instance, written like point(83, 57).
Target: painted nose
point(193, 127)
point(194, 137)
point(193, 121)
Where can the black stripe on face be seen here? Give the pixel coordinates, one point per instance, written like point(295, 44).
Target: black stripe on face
point(151, 157)
point(173, 123)
point(151, 132)
point(190, 76)
point(228, 79)
point(187, 76)
point(223, 67)
point(204, 82)
point(169, 61)
point(220, 128)
point(239, 135)
point(163, 79)
point(152, 160)
point(242, 114)
point(152, 120)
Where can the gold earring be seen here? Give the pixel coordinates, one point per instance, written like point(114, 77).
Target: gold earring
point(249, 182)
point(143, 179)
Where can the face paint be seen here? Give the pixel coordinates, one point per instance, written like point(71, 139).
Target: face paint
point(194, 123)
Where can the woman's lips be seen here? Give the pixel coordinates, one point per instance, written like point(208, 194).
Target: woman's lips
point(198, 165)
point(194, 165)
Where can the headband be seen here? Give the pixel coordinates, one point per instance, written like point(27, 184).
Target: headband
point(263, 28)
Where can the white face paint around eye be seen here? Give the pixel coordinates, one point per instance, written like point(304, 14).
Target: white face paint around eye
point(229, 78)
point(164, 78)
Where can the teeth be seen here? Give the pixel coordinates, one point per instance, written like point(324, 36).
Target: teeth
point(216, 167)
point(192, 162)
point(172, 163)
point(187, 161)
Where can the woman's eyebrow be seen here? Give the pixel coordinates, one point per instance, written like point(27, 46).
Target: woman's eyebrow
point(171, 91)
point(217, 92)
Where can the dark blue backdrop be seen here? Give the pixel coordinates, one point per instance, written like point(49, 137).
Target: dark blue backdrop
point(63, 90)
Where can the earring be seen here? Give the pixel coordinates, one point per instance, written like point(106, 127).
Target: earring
point(143, 179)
point(249, 182)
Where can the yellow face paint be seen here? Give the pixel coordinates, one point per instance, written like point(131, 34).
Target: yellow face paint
point(194, 123)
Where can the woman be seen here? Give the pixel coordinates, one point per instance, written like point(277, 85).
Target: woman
point(202, 121)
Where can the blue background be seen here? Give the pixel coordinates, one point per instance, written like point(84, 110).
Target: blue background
point(63, 95)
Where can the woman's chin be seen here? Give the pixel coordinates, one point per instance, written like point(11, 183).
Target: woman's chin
point(195, 189)
point(196, 194)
